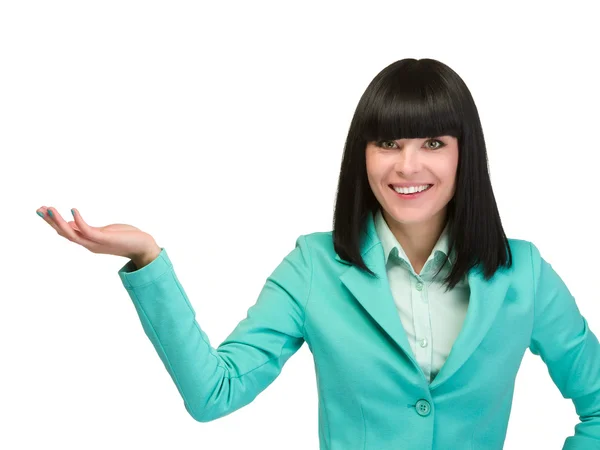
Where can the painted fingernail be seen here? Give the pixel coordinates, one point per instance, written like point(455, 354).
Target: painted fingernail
point(50, 213)
point(73, 212)
point(39, 213)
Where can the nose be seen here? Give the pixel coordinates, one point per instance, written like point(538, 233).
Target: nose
point(408, 161)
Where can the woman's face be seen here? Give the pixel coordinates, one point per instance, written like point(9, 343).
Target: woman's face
point(413, 162)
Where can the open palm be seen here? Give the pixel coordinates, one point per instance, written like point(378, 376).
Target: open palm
point(115, 239)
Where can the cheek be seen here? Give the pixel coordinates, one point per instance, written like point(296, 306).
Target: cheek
point(448, 177)
point(447, 170)
point(375, 169)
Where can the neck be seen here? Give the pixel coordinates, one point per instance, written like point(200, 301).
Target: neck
point(417, 239)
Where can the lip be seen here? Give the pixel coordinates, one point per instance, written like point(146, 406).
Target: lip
point(412, 196)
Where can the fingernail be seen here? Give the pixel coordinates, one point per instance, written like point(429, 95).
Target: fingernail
point(39, 213)
point(73, 212)
point(50, 213)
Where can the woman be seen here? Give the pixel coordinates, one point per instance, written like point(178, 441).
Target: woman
point(416, 307)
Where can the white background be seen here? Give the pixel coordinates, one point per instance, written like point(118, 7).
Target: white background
point(218, 128)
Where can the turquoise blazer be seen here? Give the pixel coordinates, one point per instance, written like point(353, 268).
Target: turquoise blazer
point(372, 393)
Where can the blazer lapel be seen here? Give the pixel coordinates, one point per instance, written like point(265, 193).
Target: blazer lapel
point(375, 296)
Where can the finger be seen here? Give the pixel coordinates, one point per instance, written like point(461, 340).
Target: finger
point(48, 219)
point(88, 231)
point(66, 231)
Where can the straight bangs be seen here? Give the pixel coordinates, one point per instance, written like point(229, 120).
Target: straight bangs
point(407, 105)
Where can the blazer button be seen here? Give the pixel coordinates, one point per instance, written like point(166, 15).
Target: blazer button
point(423, 407)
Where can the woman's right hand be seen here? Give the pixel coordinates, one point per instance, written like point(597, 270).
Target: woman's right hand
point(116, 239)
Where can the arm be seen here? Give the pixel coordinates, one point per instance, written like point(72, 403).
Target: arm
point(562, 338)
point(216, 382)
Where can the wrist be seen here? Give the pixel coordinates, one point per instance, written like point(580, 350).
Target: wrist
point(146, 257)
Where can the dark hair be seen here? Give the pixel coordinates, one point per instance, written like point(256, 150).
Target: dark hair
point(423, 98)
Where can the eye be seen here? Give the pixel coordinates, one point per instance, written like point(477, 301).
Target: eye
point(437, 140)
point(382, 144)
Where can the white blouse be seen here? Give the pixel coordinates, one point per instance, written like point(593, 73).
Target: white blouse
point(431, 317)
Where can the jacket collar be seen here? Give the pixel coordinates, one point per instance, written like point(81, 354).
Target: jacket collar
point(374, 294)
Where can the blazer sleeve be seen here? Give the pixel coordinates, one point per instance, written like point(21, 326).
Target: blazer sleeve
point(562, 338)
point(214, 382)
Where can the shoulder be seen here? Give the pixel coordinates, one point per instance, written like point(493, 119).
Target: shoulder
point(318, 243)
point(520, 247)
point(524, 249)
point(319, 246)
point(319, 238)
point(527, 259)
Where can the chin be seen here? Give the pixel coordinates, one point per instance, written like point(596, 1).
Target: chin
point(408, 219)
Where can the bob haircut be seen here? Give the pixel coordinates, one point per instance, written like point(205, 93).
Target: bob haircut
point(422, 99)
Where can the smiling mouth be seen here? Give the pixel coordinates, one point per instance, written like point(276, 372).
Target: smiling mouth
point(429, 186)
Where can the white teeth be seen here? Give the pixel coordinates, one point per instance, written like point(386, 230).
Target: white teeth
point(412, 189)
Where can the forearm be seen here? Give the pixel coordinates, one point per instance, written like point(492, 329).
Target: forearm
point(214, 382)
point(168, 320)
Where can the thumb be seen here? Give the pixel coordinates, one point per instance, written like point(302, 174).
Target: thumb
point(80, 224)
